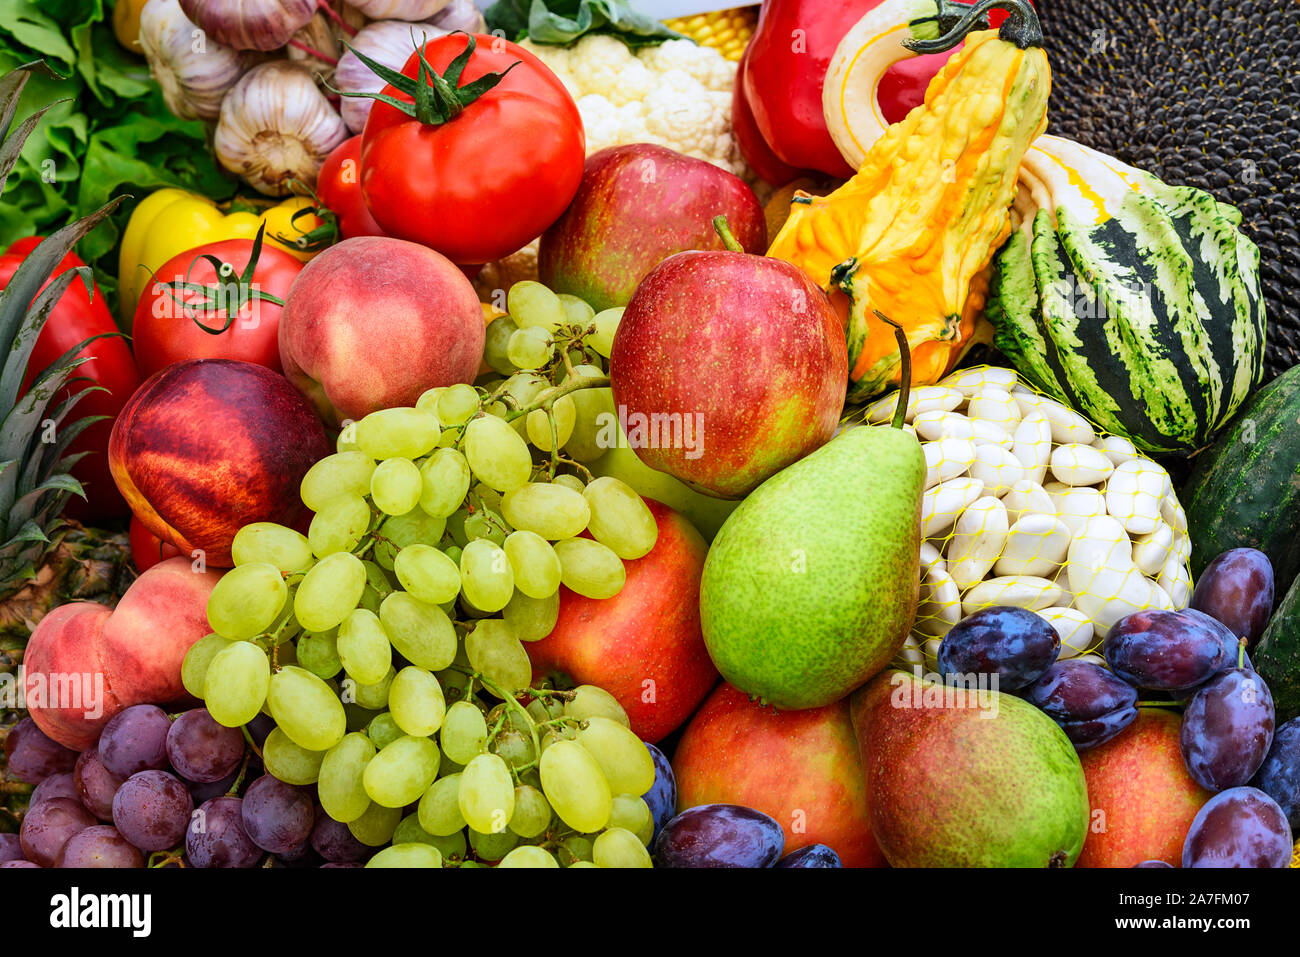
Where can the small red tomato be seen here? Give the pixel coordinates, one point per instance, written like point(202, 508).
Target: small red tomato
point(147, 549)
point(338, 186)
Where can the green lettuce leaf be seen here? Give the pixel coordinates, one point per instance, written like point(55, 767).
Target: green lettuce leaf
point(561, 22)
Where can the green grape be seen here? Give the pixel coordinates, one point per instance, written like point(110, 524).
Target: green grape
point(620, 519)
point(319, 654)
point(485, 575)
point(514, 747)
point(632, 813)
point(550, 510)
point(493, 847)
point(487, 794)
point(545, 708)
point(571, 481)
point(464, 732)
point(194, 668)
point(532, 619)
point(573, 783)
point(528, 856)
point(344, 473)
point(590, 701)
point(363, 647)
point(416, 702)
point(523, 388)
point(539, 424)
point(496, 338)
point(291, 764)
point(403, 432)
point(416, 527)
point(409, 832)
point(400, 773)
point(396, 486)
point(575, 849)
point(596, 418)
point(306, 709)
point(378, 584)
point(576, 311)
point(359, 718)
point(457, 404)
point(375, 828)
point(427, 574)
point(235, 685)
point(606, 323)
point(445, 479)
point(422, 633)
point(534, 563)
point(590, 568)
point(375, 696)
point(555, 735)
point(287, 550)
point(485, 525)
point(530, 348)
point(339, 787)
point(246, 601)
point(428, 400)
point(339, 525)
point(483, 497)
point(623, 758)
point(497, 655)
point(496, 454)
point(456, 529)
point(532, 305)
point(329, 591)
point(619, 847)
point(383, 730)
point(532, 812)
point(347, 438)
point(407, 855)
point(439, 809)
point(577, 864)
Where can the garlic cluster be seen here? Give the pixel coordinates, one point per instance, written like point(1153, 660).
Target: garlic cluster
point(194, 70)
point(399, 9)
point(250, 24)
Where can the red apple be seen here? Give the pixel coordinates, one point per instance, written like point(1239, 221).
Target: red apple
point(638, 205)
point(726, 368)
point(644, 645)
point(85, 662)
point(373, 322)
point(800, 767)
point(207, 446)
point(1143, 800)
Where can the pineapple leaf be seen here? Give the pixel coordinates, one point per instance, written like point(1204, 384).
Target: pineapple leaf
point(55, 483)
point(11, 89)
point(27, 532)
point(33, 318)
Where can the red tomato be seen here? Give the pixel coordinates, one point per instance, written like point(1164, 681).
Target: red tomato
point(147, 549)
point(338, 186)
point(489, 180)
point(167, 331)
point(75, 318)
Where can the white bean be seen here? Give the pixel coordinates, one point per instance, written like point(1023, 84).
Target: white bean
point(1032, 444)
point(941, 505)
point(1117, 448)
point(1077, 464)
point(1105, 582)
point(977, 540)
point(911, 651)
point(938, 424)
point(1171, 510)
point(1133, 495)
point(1036, 545)
point(931, 556)
point(1097, 660)
point(1073, 628)
point(1176, 581)
point(939, 607)
point(925, 399)
point(1018, 591)
point(990, 433)
point(947, 459)
point(995, 406)
point(1151, 551)
point(1027, 496)
point(975, 380)
point(997, 468)
point(1067, 425)
point(1075, 506)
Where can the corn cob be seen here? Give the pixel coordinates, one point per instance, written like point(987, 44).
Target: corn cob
point(727, 31)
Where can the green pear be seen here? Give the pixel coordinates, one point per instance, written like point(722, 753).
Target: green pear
point(811, 585)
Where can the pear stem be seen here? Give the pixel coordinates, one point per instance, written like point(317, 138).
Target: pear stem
point(905, 378)
point(728, 237)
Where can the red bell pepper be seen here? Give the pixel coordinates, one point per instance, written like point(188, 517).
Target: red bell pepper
point(76, 317)
point(753, 147)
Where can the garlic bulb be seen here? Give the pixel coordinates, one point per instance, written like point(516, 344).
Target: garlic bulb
point(276, 126)
point(250, 24)
point(194, 71)
point(399, 9)
point(317, 37)
point(460, 15)
point(390, 42)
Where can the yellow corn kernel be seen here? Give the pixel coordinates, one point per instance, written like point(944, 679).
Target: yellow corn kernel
point(727, 31)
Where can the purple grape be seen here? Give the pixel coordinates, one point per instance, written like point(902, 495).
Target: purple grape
point(719, 835)
point(1089, 703)
point(47, 827)
point(1240, 827)
point(811, 855)
point(11, 847)
point(1154, 864)
point(62, 785)
point(152, 810)
point(32, 756)
point(98, 846)
point(662, 796)
point(206, 791)
point(1012, 643)
point(1236, 588)
point(258, 729)
point(278, 817)
point(1166, 650)
point(325, 865)
point(1279, 775)
point(96, 785)
point(23, 863)
point(201, 750)
point(135, 739)
point(1227, 729)
point(333, 841)
point(302, 856)
point(216, 836)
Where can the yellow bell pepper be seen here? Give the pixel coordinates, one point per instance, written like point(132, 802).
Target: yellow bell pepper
point(170, 221)
point(126, 23)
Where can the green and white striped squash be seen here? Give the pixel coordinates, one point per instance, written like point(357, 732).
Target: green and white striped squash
point(1135, 302)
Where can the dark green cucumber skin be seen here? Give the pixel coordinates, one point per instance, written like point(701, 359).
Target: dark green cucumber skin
point(1277, 656)
point(1245, 489)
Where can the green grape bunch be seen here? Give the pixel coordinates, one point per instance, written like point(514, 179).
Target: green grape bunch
point(388, 643)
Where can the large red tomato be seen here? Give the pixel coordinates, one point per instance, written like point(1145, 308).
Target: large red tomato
point(338, 186)
point(473, 174)
point(173, 311)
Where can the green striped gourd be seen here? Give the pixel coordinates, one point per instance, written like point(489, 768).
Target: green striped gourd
point(1133, 301)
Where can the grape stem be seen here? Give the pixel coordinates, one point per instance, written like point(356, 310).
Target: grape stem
point(512, 701)
point(559, 392)
point(239, 779)
point(163, 858)
point(16, 787)
point(251, 743)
